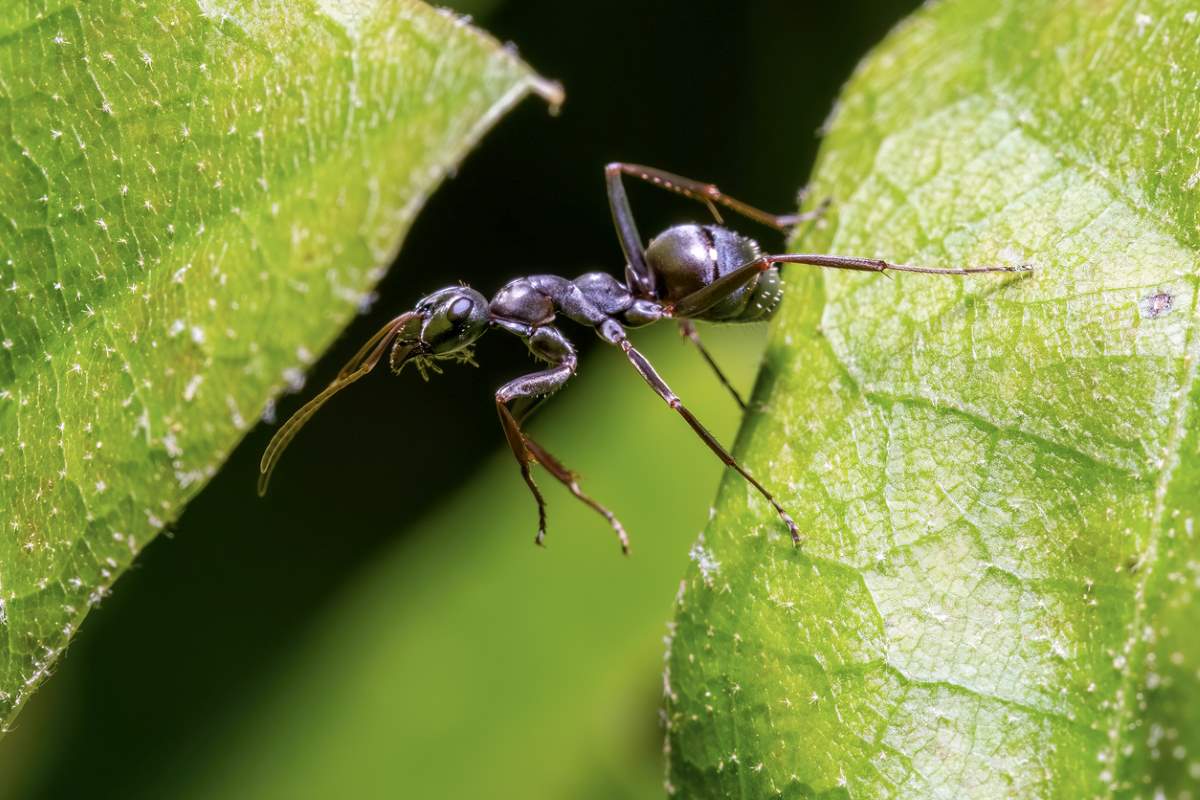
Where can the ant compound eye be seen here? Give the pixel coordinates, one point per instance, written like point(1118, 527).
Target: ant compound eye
point(460, 309)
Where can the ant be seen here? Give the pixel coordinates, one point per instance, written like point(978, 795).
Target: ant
point(688, 272)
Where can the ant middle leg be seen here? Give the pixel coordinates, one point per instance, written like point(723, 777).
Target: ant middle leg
point(651, 376)
point(515, 401)
point(687, 329)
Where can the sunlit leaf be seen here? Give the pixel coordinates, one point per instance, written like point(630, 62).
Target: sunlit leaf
point(998, 477)
point(194, 199)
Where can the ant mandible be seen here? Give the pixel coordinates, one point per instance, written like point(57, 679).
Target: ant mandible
point(688, 272)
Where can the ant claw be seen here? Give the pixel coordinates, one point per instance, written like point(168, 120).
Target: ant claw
point(788, 222)
point(797, 541)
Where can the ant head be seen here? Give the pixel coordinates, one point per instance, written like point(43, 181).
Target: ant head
point(443, 325)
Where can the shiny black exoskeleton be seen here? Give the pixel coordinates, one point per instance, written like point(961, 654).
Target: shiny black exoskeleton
point(688, 272)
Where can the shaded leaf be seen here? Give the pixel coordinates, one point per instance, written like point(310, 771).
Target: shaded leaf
point(194, 199)
point(465, 661)
point(999, 477)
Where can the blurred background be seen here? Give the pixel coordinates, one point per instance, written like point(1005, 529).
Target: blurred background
point(381, 625)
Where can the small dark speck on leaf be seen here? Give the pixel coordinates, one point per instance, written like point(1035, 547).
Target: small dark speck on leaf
point(1156, 305)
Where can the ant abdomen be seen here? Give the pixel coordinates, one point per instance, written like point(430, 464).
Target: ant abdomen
point(687, 258)
point(762, 299)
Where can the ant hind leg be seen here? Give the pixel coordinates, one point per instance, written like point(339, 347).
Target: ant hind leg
point(706, 193)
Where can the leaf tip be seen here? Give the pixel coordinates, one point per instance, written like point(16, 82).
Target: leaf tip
point(550, 91)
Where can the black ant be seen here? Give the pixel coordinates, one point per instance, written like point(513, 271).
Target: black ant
point(688, 272)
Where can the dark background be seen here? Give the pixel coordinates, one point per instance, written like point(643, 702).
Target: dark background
point(728, 92)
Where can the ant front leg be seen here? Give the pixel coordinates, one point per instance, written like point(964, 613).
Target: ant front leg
point(515, 401)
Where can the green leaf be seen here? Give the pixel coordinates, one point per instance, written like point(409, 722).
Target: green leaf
point(194, 199)
point(998, 476)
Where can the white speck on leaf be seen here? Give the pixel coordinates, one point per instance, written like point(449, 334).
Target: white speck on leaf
point(193, 385)
point(294, 378)
point(704, 559)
